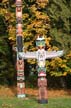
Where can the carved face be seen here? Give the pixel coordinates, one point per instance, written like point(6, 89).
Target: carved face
point(41, 55)
point(20, 65)
point(19, 12)
point(40, 41)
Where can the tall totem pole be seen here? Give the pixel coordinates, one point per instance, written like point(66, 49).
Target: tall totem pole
point(19, 42)
point(41, 55)
point(41, 69)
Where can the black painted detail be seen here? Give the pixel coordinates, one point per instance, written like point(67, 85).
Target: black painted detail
point(43, 101)
point(19, 43)
point(19, 20)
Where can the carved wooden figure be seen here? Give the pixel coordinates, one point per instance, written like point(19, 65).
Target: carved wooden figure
point(41, 55)
point(42, 89)
point(19, 42)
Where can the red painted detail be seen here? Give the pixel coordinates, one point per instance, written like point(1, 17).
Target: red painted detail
point(19, 29)
point(19, 12)
point(21, 88)
point(19, 9)
point(20, 73)
point(20, 65)
point(41, 73)
point(20, 78)
point(42, 90)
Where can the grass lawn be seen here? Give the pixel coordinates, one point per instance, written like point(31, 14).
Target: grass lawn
point(13, 102)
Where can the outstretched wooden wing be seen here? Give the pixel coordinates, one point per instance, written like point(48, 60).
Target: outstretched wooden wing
point(27, 55)
point(36, 55)
point(53, 54)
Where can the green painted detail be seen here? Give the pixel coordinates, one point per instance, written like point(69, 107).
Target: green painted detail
point(39, 69)
point(40, 43)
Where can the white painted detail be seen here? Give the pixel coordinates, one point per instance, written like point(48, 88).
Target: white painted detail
point(40, 38)
point(21, 95)
point(53, 54)
point(41, 54)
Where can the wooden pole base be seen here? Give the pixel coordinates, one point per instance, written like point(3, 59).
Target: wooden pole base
point(43, 101)
point(21, 95)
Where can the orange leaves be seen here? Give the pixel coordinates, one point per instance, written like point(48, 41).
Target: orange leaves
point(12, 33)
point(63, 66)
point(57, 62)
point(59, 67)
point(42, 3)
point(39, 15)
point(55, 48)
point(25, 16)
point(33, 8)
point(69, 55)
point(34, 24)
point(65, 73)
point(3, 1)
point(47, 40)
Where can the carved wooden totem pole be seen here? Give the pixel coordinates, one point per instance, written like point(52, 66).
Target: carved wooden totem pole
point(20, 61)
point(42, 81)
point(41, 55)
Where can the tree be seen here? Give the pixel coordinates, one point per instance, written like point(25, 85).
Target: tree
point(36, 20)
point(60, 15)
point(7, 70)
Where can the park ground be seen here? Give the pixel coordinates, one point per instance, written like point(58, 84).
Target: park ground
point(56, 98)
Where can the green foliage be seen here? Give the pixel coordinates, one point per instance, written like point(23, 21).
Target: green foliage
point(6, 66)
point(7, 71)
point(35, 21)
point(59, 12)
point(2, 25)
point(60, 15)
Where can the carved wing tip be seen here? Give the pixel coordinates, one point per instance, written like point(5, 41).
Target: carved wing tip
point(61, 52)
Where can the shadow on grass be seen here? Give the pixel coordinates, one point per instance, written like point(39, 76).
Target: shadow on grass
point(32, 97)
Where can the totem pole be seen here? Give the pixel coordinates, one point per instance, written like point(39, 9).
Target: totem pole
point(41, 55)
point(19, 42)
point(41, 69)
